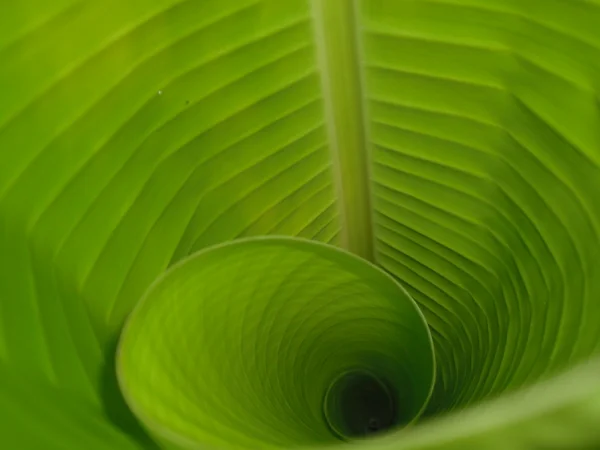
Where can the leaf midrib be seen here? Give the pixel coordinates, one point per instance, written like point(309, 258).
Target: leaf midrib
point(339, 57)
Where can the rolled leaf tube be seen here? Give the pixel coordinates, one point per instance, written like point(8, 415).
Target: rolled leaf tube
point(275, 343)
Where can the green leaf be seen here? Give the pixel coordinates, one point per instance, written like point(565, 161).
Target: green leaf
point(285, 318)
point(453, 143)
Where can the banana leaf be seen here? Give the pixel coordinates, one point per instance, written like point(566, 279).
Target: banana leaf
point(210, 210)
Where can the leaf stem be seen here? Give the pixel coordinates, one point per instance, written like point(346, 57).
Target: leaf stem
point(338, 49)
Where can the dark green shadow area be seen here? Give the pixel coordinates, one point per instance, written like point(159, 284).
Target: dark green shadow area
point(359, 404)
point(115, 408)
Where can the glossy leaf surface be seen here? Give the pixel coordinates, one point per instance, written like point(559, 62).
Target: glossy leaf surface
point(453, 143)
